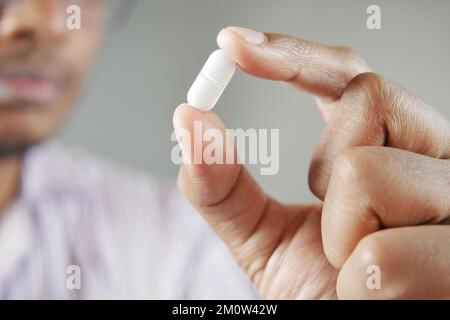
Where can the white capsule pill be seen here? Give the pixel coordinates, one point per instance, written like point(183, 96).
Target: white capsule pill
point(212, 81)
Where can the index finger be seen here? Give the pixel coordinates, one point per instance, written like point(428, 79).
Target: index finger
point(321, 70)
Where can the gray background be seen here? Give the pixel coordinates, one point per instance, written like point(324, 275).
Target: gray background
point(145, 70)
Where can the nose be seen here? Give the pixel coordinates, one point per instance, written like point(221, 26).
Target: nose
point(31, 20)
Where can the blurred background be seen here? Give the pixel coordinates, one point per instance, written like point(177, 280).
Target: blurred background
point(148, 64)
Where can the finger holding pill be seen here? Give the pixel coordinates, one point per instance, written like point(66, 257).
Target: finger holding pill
point(212, 81)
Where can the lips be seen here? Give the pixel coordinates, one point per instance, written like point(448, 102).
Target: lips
point(31, 88)
point(38, 78)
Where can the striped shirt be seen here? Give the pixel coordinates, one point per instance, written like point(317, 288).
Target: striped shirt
point(84, 228)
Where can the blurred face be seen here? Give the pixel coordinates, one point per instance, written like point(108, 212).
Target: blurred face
point(43, 65)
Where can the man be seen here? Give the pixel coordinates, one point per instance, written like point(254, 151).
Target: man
point(382, 163)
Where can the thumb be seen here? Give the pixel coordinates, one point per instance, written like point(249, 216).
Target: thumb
point(223, 191)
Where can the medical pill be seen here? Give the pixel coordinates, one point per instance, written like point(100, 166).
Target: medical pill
point(212, 81)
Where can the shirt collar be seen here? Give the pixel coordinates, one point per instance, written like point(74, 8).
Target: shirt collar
point(50, 170)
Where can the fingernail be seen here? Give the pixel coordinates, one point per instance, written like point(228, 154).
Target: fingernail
point(250, 36)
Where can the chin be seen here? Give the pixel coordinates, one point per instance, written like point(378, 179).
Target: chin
point(24, 126)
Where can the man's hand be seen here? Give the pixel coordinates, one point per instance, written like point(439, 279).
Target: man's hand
point(381, 168)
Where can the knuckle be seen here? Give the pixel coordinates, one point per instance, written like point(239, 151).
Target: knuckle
point(299, 47)
point(372, 253)
point(290, 51)
point(290, 48)
point(351, 167)
point(371, 250)
point(352, 59)
point(367, 84)
point(365, 93)
point(352, 280)
point(368, 78)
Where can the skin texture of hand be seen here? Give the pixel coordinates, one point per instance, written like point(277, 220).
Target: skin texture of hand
point(381, 168)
